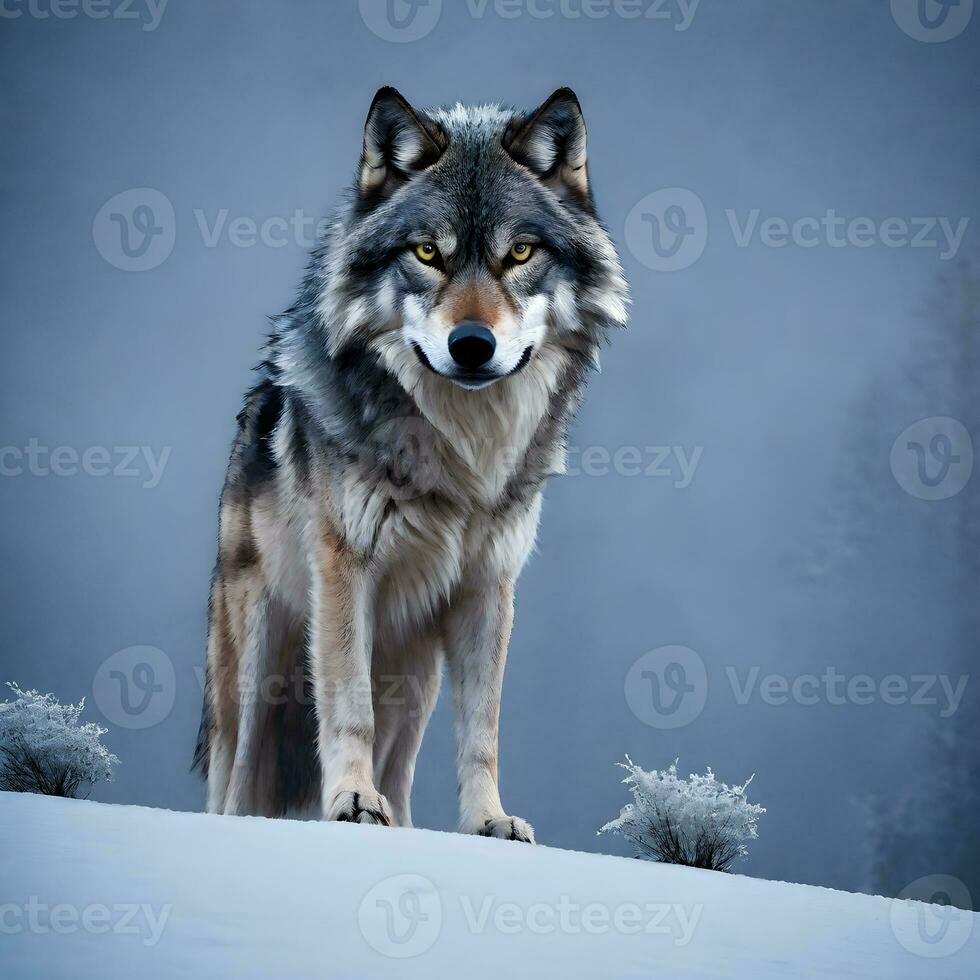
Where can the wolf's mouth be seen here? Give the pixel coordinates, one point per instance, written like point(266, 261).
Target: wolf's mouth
point(473, 380)
point(420, 354)
point(522, 363)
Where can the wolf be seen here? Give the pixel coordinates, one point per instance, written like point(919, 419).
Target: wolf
point(386, 479)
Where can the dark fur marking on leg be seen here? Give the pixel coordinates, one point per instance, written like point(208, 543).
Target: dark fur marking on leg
point(202, 750)
point(263, 411)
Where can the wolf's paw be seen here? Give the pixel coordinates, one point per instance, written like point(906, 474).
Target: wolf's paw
point(355, 807)
point(508, 828)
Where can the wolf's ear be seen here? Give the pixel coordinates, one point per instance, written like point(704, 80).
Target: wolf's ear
point(398, 142)
point(551, 143)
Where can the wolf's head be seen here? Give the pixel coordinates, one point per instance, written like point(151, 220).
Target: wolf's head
point(471, 252)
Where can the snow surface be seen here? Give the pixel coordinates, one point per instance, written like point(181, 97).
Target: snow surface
point(95, 891)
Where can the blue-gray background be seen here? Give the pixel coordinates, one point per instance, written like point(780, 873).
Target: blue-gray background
point(793, 549)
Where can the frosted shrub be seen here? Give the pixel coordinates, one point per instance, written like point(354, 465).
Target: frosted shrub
point(43, 748)
point(697, 821)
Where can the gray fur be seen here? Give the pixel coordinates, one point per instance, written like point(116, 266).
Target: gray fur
point(350, 395)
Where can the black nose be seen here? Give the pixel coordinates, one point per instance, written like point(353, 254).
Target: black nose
point(471, 344)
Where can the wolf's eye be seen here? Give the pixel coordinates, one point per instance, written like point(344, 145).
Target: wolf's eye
point(521, 251)
point(426, 252)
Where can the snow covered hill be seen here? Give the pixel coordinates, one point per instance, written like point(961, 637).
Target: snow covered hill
point(95, 891)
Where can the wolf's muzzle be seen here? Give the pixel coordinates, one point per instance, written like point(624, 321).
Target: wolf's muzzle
point(472, 344)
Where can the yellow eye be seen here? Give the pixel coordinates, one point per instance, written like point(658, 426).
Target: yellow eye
point(521, 251)
point(426, 252)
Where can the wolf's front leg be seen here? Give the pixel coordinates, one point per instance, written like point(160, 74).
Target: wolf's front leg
point(478, 628)
point(340, 653)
